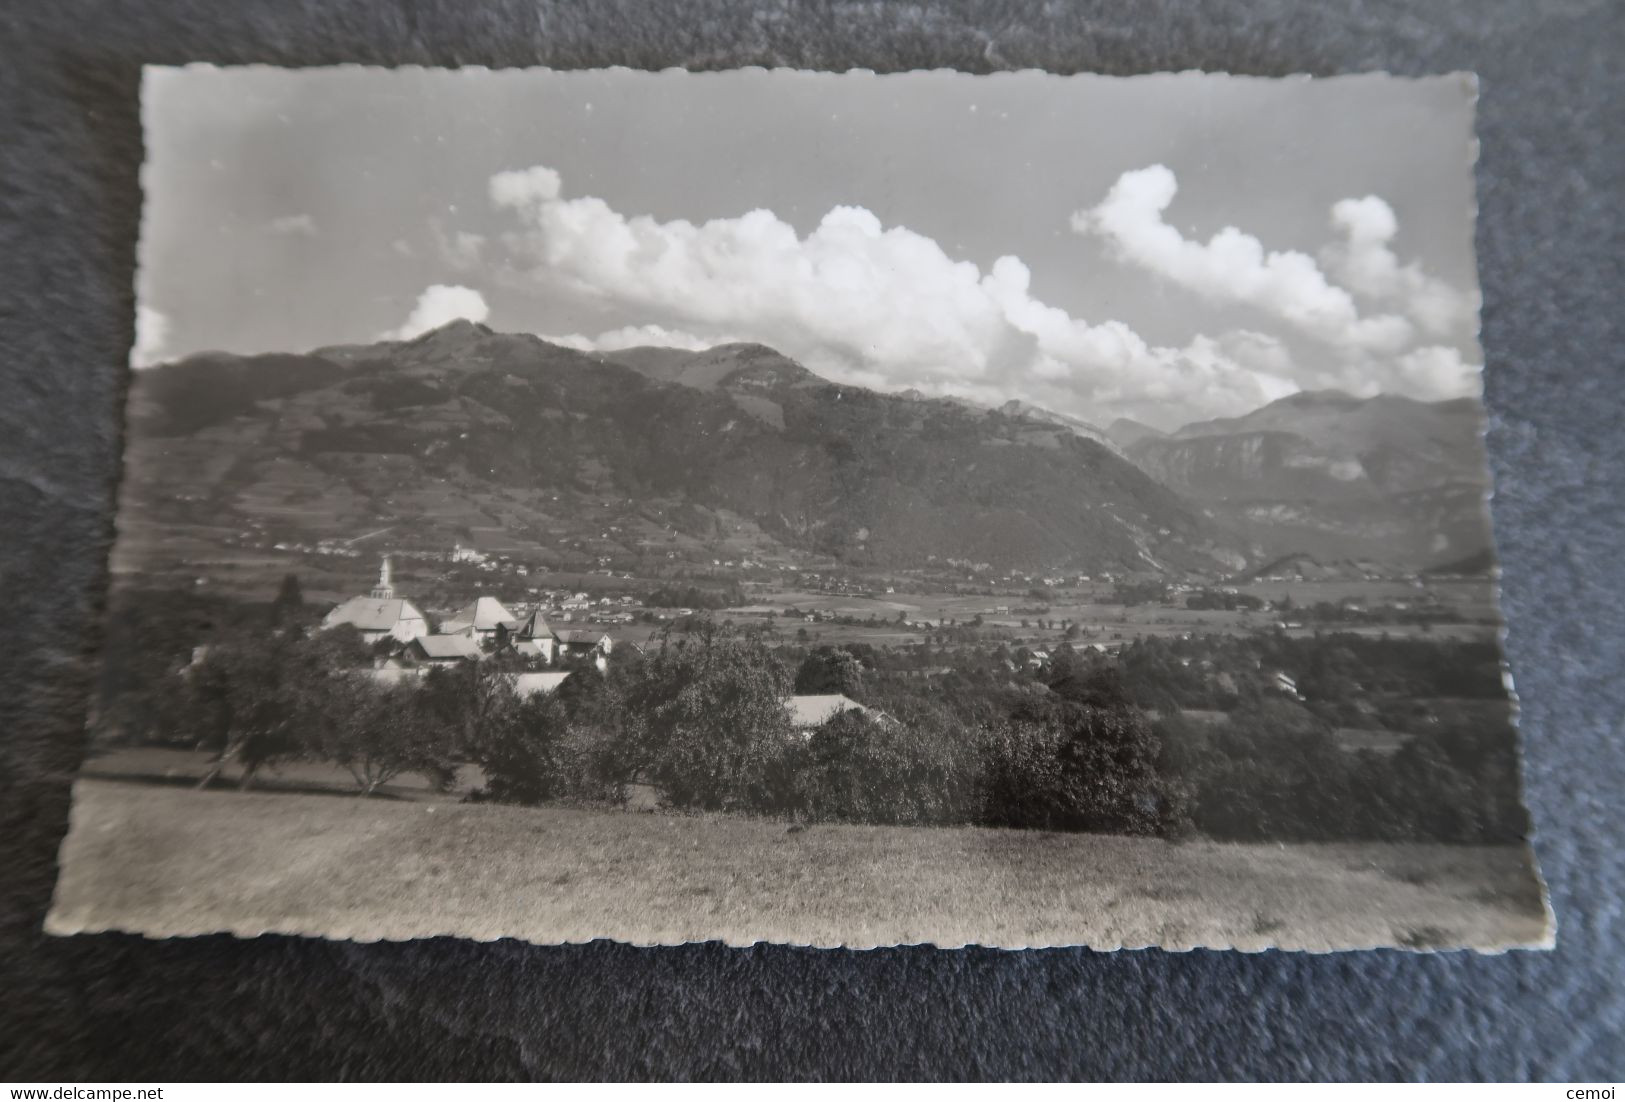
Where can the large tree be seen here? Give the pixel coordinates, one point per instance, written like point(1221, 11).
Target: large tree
point(379, 733)
point(1080, 757)
point(708, 720)
point(289, 602)
point(830, 670)
point(257, 697)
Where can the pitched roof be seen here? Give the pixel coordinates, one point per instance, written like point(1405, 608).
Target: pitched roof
point(448, 646)
point(814, 709)
point(580, 635)
point(535, 626)
point(526, 684)
point(483, 615)
point(372, 613)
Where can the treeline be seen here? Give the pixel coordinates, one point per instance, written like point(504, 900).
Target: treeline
point(1221, 600)
point(1340, 675)
point(1131, 594)
point(1265, 766)
point(701, 719)
point(1328, 612)
point(694, 597)
point(1274, 771)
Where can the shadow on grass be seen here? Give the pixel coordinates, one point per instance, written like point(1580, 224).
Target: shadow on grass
point(230, 784)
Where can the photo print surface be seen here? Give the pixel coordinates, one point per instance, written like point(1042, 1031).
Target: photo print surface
point(837, 510)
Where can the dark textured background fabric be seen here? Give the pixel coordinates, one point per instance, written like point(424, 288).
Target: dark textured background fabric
point(124, 1008)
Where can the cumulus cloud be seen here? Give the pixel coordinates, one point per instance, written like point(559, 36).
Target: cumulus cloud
point(1437, 371)
point(860, 302)
point(1233, 266)
point(525, 186)
point(885, 306)
point(294, 225)
point(638, 336)
point(438, 305)
point(151, 337)
point(1365, 262)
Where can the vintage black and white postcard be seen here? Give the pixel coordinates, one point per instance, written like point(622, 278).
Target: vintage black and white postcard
point(853, 510)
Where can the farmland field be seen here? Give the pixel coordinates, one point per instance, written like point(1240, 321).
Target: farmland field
point(1104, 618)
point(169, 860)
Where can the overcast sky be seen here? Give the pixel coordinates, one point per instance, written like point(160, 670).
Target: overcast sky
point(1166, 248)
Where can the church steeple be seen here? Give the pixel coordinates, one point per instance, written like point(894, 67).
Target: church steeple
point(384, 591)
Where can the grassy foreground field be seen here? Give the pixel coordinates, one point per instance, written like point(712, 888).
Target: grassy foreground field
point(168, 860)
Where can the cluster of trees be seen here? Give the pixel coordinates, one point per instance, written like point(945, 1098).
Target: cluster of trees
point(1273, 771)
point(1218, 599)
point(1130, 594)
point(706, 725)
point(1257, 765)
point(701, 719)
point(693, 596)
point(832, 670)
point(256, 699)
point(1342, 676)
point(1329, 612)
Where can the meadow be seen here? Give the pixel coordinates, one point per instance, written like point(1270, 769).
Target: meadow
point(167, 860)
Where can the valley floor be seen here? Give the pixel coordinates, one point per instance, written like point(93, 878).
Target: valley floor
point(166, 859)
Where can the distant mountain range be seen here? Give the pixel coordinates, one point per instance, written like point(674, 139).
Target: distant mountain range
point(1385, 478)
point(510, 442)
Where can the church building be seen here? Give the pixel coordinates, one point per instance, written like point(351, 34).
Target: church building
point(380, 614)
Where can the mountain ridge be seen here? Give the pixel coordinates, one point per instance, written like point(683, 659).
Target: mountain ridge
point(1337, 476)
point(463, 432)
point(1322, 472)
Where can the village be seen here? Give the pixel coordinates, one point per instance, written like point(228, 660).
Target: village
point(406, 647)
point(1008, 627)
point(1277, 709)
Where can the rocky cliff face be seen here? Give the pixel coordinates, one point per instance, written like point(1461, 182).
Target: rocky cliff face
point(1385, 478)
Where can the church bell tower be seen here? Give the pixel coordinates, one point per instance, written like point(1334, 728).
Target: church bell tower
point(383, 591)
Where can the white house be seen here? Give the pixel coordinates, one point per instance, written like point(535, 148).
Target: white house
point(535, 638)
point(1285, 685)
point(482, 618)
point(809, 710)
point(579, 642)
point(380, 614)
